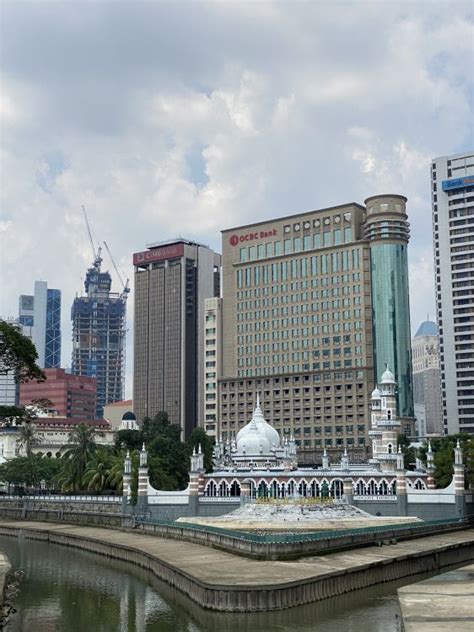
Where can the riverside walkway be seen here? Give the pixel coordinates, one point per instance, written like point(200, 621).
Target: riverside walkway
point(222, 581)
point(444, 603)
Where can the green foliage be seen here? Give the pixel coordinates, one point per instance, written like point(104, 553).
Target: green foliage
point(129, 439)
point(167, 456)
point(30, 471)
point(443, 448)
point(200, 438)
point(18, 354)
point(409, 454)
point(8, 414)
point(83, 447)
point(104, 471)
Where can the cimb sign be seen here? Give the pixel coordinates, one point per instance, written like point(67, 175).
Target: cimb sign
point(261, 234)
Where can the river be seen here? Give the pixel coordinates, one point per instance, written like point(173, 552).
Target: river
point(66, 590)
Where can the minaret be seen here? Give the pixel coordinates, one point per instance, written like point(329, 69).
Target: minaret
point(143, 480)
point(460, 497)
point(401, 484)
point(430, 482)
point(127, 478)
point(325, 460)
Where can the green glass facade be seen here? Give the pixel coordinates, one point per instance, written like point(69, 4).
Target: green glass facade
point(391, 318)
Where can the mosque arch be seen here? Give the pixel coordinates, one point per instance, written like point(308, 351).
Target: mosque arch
point(336, 489)
point(223, 489)
point(210, 489)
point(234, 488)
point(360, 488)
point(372, 487)
point(262, 489)
point(303, 488)
point(418, 484)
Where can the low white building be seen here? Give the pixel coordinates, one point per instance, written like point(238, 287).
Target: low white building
point(53, 436)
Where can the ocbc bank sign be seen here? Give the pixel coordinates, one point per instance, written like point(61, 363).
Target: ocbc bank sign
point(262, 234)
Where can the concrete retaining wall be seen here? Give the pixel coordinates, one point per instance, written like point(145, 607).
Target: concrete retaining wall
point(253, 598)
point(292, 550)
point(86, 513)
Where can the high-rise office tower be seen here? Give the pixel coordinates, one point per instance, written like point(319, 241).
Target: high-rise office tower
point(212, 362)
point(298, 323)
point(387, 231)
point(98, 336)
point(452, 192)
point(426, 380)
point(40, 314)
point(172, 281)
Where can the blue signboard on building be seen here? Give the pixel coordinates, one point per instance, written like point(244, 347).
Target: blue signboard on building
point(458, 183)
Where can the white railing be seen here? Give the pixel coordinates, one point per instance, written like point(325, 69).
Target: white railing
point(377, 498)
point(219, 499)
point(80, 498)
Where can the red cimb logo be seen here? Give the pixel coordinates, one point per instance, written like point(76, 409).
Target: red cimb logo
point(233, 240)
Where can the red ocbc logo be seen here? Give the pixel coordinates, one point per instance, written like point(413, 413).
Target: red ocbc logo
point(263, 234)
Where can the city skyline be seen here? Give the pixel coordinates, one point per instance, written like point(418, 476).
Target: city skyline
point(191, 141)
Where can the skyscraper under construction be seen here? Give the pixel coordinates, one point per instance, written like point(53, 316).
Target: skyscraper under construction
point(98, 335)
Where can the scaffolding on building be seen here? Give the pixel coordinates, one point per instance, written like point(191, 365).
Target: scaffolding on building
point(99, 331)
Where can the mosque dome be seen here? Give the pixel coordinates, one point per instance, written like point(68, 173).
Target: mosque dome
point(388, 377)
point(376, 394)
point(264, 428)
point(129, 416)
point(265, 431)
point(253, 443)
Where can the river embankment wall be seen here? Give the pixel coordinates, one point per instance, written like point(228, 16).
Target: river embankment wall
point(221, 581)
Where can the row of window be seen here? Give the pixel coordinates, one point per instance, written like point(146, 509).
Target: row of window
point(296, 244)
point(299, 268)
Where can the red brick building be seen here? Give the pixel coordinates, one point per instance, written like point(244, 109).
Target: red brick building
point(71, 395)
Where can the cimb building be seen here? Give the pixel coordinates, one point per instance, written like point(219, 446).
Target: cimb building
point(452, 190)
point(312, 303)
point(172, 281)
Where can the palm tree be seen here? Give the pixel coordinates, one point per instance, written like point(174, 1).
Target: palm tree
point(83, 447)
point(29, 437)
point(104, 471)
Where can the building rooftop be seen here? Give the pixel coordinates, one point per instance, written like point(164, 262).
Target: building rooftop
point(427, 328)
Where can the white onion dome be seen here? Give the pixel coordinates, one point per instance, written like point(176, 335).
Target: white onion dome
point(268, 434)
point(253, 442)
point(388, 377)
point(264, 428)
point(376, 394)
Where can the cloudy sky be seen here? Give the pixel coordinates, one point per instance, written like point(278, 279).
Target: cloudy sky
point(184, 118)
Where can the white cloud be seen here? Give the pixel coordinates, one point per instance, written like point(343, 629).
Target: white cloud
point(188, 118)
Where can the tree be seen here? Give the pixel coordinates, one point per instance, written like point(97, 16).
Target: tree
point(29, 437)
point(167, 455)
point(409, 453)
point(18, 354)
point(129, 439)
point(83, 446)
point(200, 438)
point(443, 449)
point(104, 471)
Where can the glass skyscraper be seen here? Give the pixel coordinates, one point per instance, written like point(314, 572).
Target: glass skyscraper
point(387, 230)
point(40, 316)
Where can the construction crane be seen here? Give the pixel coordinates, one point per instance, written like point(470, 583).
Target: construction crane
point(97, 254)
point(125, 287)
